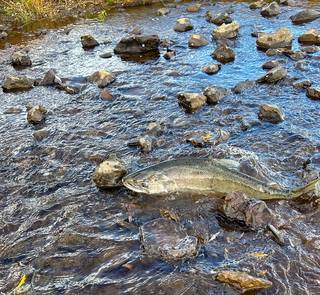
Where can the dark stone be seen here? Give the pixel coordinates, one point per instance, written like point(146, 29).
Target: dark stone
point(138, 45)
point(305, 16)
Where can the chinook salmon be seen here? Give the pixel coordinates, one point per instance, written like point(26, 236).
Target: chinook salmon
point(207, 176)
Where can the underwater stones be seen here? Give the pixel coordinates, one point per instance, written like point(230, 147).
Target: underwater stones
point(168, 240)
point(305, 16)
point(270, 10)
point(191, 102)
point(271, 113)
point(311, 37)
point(106, 55)
point(36, 114)
point(109, 173)
point(134, 45)
point(88, 42)
point(313, 93)
point(281, 38)
point(196, 41)
point(224, 54)
point(102, 78)
point(40, 134)
point(17, 83)
point(214, 94)
point(274, 75)
point(211, 69)
point(183, 25)
point(226, 31)
point(21, 58)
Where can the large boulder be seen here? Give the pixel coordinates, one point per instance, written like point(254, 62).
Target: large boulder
point(21, 58)
point(305, 16)
point(102, 78)
point(196, 41)
point(313, 93)
point(224, 54)
point(227, 31)
point(183, 25)
point(138, 45)
point(311, 37)
point(36, 114)
point(17, 83)
point(274, 75)
point(191, 102)
point(282, 38)
point(214, 94)
point(270, 10)
point(271, 113)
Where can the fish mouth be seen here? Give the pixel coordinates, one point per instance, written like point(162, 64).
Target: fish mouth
point(132, 185)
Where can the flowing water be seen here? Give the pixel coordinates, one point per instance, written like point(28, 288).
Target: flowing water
point(68, 237)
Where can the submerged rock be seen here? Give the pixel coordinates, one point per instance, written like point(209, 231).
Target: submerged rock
point(214, 94)
point(191, 102)
point(106, 55)
point(243, 85)
point(194, 8)
point(313, 93)
point(196, 41)
point(311, 37)
point(136, 31)
point(271, 113)
point(168, 240)
point(105, 94)
point(227, 31)
point(21, 58)
point(211, 69)
point(17, 83)
point(304, 84)
point(183, 25)
point(305, 16)
point(102, 78)
point(41, 134)
point(270, 10)
point(138, 45)
point(163, 11)
point(36, 114)
point(242, 280)
point(109, 173)
point(224, 54)
point(274, 75)
point(88, 42)
point(282, 38)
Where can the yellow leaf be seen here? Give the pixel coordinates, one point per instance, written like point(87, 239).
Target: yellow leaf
point(22, 281)
point(258, 254)
point(206, 136)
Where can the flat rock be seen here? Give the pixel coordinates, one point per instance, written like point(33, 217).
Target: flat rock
point(242, 280)
point(102, 78)
point(183, 25)
point(270, 10)
point(226, 31)
point(168, 240)
point(88, 42)
point(50, 79)
point(21, 58)
point(214, 94)
point(17, 83)
point(270, 64)
point(194, 8)
point(133, 45)
point(196, 41)
point(211, 69)
point(224, 54)
point(311, 37)
point(282, 38)
point(305, 16)
point(106, 55)
point(109, 173)
point(163, 11)
point(191, 102)
point(36, 114)
point(271, 113)
point(274, 75)
point(313, 93)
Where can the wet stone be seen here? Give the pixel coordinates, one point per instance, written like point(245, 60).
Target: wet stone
point(219, 19)
point(3, 35)
point(21, 58)
point(310, 49)
point(270, 10)
point(271, 113)
point(154, 128)
point(211, 69)
point(305, 16)
point(270, 64)
point(295, 55)
point(281, 38)
point(214, 94)
point(102, 78)
point(242, 280)
point(243, 85)
point(169, 54)
point(196, 140)
point(194, 8)
point(138, 45)
point(105, 94)
point(257, 4)
point(224, 54)
point(41, 134)
point(109, 173)
point(275, 52)
point(313, 93)
point(311, 37)
point(227, 31)
point(36, 114)
point(168, 240)
point(106, 55)
point(274, 75)
point(50, 79)
point(304, 84)
point(183, 25)
point(88, 42)
point(136, 31)
point(196, 41)
point(291, 3)
point(163, 11)
point(13, 110)
point(145, 143)
point(17, 83)
point(191, 102)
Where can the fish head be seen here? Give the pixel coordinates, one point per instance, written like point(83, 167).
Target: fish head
point(148, 182)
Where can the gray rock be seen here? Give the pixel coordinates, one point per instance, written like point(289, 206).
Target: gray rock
point(295, 55)
point(305, 16)
point(50, 79)
point(275, 52)
point(219, 19)
point(303, 84)
point(310, 49)
point(145, 144)
point(270, 10)
point(106, 55)
point(224, 54)
point(138, 45)
point(311, 37)
point(271, 113)
point(136, 31)
point(41, 134)
point(17, 83)
point(211, 69)
point(191, 102)
point(155, 128)
point(21, 58)
point(214, 94)
point(88, 42)
point(313, 93)
point(102, 78)
point(168, 240)
point(194, 8)
point(183, 25)
point(109, 173)
point(270, 64)
point(282, 38)
point(163, 11)
point(36, 114)
point(226, 31)
point(243, 85)
point(274, 75)
point(196, 41)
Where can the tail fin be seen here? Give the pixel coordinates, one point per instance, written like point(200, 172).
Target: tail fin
point(313, 186)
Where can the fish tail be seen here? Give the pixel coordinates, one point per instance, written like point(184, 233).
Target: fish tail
point(313, 186)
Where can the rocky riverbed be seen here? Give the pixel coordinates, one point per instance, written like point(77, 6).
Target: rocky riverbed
point(217, 79)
